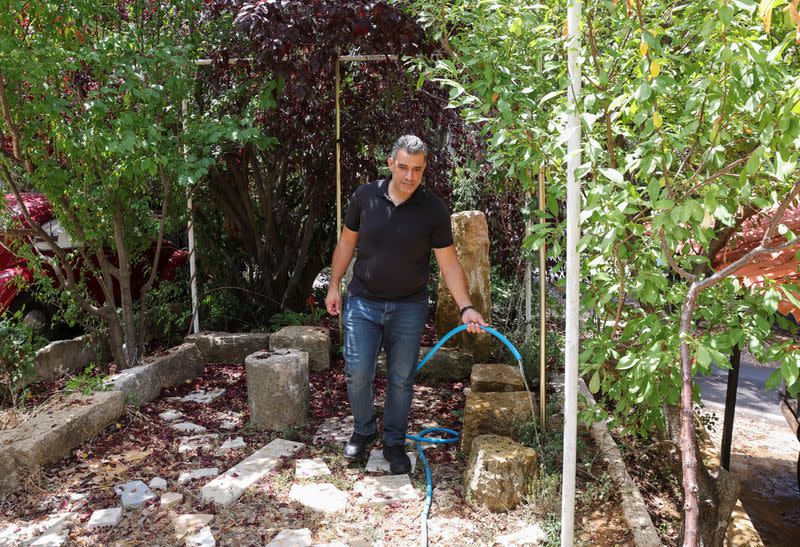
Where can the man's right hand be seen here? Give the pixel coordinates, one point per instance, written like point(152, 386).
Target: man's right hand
point(333, 301)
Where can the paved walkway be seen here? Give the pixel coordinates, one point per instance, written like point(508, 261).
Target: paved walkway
point(764, 451)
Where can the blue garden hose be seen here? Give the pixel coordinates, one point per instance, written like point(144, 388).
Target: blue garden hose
point(454, 435)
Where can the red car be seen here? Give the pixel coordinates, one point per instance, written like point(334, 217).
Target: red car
point(14, 267)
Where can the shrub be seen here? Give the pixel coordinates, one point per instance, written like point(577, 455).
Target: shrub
point(17, 357)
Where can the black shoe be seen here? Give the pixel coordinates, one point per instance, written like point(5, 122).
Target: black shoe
point(399, 462)
point(357, 444)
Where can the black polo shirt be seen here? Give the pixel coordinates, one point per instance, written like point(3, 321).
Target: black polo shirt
point(395, 242)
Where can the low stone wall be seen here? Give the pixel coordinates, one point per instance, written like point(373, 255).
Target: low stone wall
point(48, 437)
point(228, 347)
point(633, 506)
point(69, 355)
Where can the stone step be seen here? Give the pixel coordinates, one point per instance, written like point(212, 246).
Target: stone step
point(228, 487)
point(385, 489)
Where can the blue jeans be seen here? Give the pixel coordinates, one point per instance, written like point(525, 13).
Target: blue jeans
point(398, 327)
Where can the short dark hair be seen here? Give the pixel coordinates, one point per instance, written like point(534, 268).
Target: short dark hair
point(411, 144)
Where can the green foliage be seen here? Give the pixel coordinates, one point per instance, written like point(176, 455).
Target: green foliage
point(17, 356)
point(88, 381)
point(691, 121)
point(169, 308)
point(289, 318)
point(98, 129)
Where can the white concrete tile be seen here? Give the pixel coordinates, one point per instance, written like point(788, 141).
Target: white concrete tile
point(322, 497)
point(191, 522)
point(384, 489)
point(233, 444)
point(229, 486)
point(194, 474)
point(196, 442)
point(292, 538)
point(188, 427)
point(170, 415)
point(203, 396)
point(305, 469)
point(378, 464)
point(104, 517)
point(134, 494)
point(201, 538)
point(171, 499)
point(157, 483)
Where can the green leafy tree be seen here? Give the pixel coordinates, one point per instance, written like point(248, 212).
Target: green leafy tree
point(691, 123)
point(91, 94)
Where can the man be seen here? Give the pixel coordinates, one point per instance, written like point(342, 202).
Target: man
point(395, 223)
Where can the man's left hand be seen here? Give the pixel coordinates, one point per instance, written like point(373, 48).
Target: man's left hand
point(474, 320)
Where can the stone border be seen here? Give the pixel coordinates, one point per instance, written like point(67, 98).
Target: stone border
point(50, 436)
point(68, 355)
point(633, 506)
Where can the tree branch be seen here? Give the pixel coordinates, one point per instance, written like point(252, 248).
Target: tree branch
point(671, 258)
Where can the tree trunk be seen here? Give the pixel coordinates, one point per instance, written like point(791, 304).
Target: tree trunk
point(130, 341)
point(717, 490)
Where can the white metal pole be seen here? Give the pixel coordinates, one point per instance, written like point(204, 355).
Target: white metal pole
point(192, 247)
point(573, 278)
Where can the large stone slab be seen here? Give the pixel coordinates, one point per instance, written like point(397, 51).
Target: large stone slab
point(493, 377)
point(494, 413)
point(228, 347)
point(384, 489)
point(315, 341)
point(49, 436)
point(499, 472)
point(471, 240)
point(180, 364)
point(139, 385)
point(323, 497)
point(68, 355)
point(277, 388)
point(228, 487)
point(447, 364)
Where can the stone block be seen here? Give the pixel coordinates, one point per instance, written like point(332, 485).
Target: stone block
point(180, 364)
point(499, 472)
point(139, 385)
point(228, 347)
point(277, 388)
point(228, 487)
point(447, 364)
point(68, 355)
point(492, 377)
point(49, 436)
point(315, 341)
point(471, 240)
point(494, 413)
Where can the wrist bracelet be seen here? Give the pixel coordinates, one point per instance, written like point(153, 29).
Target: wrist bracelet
point(465, 308)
